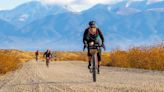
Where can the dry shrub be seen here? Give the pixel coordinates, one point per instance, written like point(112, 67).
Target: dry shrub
point(105, 59)
point(12, 59)
point(80, 56)
point(8, 63)
point(140, 57)
point(117, 57)
point(69, 56)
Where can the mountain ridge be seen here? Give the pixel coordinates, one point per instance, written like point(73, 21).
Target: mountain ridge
point(119, 23)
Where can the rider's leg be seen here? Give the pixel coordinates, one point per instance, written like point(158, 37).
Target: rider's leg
point(47, 62)
point(36, 58)
point(99, 60)
point(89, 59)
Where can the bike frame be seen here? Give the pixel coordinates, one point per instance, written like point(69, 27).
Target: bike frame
point(93, 50)
point(47, 61)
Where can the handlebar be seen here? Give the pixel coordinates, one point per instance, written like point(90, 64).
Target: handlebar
point(95, 46)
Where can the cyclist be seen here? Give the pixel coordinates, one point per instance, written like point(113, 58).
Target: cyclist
point(48, 56)
point(93, 34)
point(37, 55)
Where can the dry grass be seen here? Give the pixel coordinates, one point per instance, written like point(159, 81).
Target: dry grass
point(81, 56)
point(12, 59)
point(67, 56)
point(8, 63)
point(140, 57)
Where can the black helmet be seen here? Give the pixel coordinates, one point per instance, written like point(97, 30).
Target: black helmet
point(92, 23)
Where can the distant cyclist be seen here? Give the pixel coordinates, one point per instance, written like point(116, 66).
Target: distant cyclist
point(37, 55)
point(48, 56)
point(93, 34)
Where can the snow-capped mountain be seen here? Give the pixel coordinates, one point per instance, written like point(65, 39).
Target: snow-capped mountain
point(28, 12)
point(124, 24)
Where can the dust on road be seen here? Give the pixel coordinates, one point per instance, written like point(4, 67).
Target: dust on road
point(73, 76)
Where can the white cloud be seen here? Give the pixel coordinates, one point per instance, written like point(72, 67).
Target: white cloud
point(79, 5)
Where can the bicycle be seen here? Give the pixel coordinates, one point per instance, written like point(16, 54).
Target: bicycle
point(94, 48)
point(47, 61)
point(37, 58)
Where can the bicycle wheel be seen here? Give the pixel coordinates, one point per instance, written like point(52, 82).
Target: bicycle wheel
point(47, 62)
point(94, 67)
point(36, 58)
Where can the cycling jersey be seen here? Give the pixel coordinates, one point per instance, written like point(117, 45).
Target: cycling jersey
point(47, 54)
point(95, 37)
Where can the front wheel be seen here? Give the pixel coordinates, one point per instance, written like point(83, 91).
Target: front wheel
point(94, 68)
point(47, 62)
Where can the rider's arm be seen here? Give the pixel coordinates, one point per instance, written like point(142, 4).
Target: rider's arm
point(101, 35)
point(85, 36)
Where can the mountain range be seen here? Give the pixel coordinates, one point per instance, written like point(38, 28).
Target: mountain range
point(35, 25)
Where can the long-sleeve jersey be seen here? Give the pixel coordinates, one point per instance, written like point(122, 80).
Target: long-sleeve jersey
point(86, 35)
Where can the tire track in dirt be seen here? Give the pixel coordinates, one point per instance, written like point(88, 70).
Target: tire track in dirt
point(73, 76)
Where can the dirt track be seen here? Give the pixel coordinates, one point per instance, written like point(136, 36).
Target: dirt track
point(73, 76)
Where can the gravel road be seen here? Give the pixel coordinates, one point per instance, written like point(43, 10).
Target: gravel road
point(73, 76)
